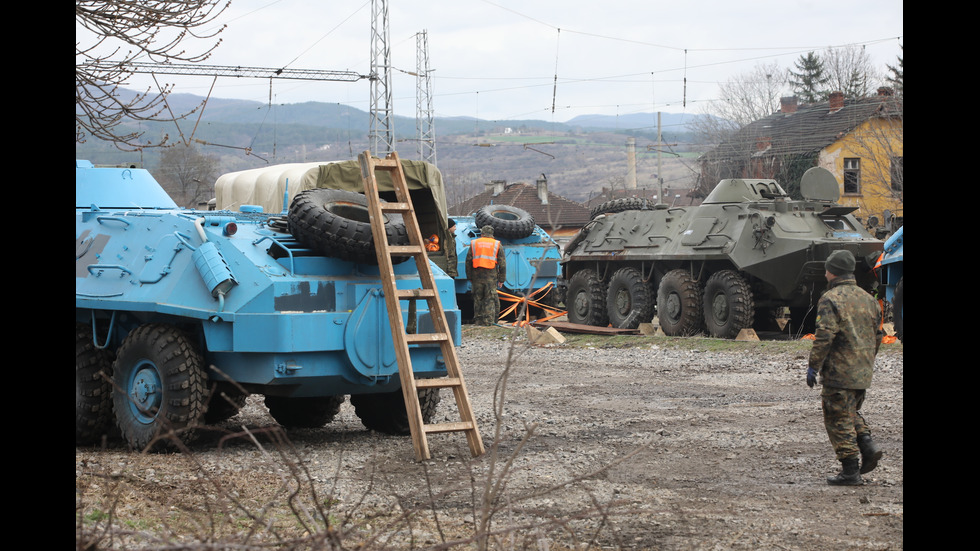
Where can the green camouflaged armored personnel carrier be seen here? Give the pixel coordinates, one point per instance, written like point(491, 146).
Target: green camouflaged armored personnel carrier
point(737, 261)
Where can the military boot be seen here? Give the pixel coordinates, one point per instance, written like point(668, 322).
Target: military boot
point(849, 475)
point(870, 453)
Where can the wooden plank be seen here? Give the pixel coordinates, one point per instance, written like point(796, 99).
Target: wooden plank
point(569, 327)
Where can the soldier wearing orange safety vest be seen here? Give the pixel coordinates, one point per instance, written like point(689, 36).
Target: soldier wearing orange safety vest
point(487, 270)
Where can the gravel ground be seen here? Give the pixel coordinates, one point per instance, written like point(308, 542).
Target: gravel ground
point(603, 442)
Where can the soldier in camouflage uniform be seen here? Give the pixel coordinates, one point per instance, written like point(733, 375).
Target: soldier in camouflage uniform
point(487, 270)
point(848, 335)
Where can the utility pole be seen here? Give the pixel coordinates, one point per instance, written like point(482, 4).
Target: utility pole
point(381, 134)
point(660, 177)
point(630, 163)
point(423, 99)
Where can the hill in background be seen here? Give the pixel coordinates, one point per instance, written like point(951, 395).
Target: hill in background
point(580, 157)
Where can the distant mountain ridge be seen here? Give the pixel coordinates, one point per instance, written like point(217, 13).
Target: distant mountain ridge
point(337, 115)
point(582, 157)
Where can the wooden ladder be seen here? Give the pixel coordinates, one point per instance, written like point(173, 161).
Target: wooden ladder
point(429, 292)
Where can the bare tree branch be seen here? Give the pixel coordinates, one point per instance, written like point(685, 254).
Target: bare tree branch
point(153, 29)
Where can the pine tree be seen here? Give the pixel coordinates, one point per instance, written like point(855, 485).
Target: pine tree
point(807, 83)
point(896, 77)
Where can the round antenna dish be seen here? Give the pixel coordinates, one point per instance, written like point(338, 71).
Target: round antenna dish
point(819, 184)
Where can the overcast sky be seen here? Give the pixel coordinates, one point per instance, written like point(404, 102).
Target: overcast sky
point(498, 59)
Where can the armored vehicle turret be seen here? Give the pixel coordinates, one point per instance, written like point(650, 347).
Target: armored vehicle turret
point(743, 257)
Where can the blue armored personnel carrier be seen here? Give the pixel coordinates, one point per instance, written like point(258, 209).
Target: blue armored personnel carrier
point(181, 314)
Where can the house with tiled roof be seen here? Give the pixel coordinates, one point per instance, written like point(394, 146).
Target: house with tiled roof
point(858, 140)
point(560, 217)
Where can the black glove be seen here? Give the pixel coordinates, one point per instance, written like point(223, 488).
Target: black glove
point(811, 376)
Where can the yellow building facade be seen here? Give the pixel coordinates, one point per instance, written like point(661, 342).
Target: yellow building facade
point(868, 165)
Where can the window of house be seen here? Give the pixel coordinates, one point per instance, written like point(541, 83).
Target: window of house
point(852, 176)
point(897, 173)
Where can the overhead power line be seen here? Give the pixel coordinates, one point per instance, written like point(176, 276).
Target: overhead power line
point(199, 69)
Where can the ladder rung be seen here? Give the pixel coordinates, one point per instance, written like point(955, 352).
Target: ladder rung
point(442, 382)
point(422, 338)
point(415, 293)
point(449, 427)
point(385, 163)
point(395, 207)
point(397, 250)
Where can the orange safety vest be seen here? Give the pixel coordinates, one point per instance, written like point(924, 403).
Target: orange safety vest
point(485, 252)
point(432, 243)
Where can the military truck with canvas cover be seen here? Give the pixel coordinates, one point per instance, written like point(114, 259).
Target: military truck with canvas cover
point(181, 314)
point(738, 261)
point(274, 187)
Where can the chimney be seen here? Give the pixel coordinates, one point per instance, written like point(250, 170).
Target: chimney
point(496, 187)
point(885, 91)
point(788, 105)
point(542, 184)
point(836, 101)
point(631, 163)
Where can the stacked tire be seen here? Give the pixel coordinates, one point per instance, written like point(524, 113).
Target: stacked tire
point(507, 222)
point(336, 223)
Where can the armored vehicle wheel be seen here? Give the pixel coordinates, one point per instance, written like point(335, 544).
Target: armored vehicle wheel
point(629, 301)
point(728, 304)
point(160, 387)
point(620, 205)
point(898, 317)
point(336, 223)
point(507, 222)
point(93, 388)
point(385, 412)
point(679, 304)
point(225, 403)
point(586, 299)
point(303, 413)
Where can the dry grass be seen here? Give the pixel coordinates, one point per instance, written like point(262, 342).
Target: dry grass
point(197, 501)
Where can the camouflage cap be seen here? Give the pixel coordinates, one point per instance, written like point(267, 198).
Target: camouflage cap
point(487, 231)
point(840, 262)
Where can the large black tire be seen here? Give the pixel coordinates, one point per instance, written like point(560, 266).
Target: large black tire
point(303, 413)
point(629, 301)
point(385, 412)
point(728, 304)
point(898, 317)
point(586, 299)
point(93, 388)
point(159, 386)
point(225, 403)
point(507, 222)
point(620, 205)
point(336, 223)
point(679, 304)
